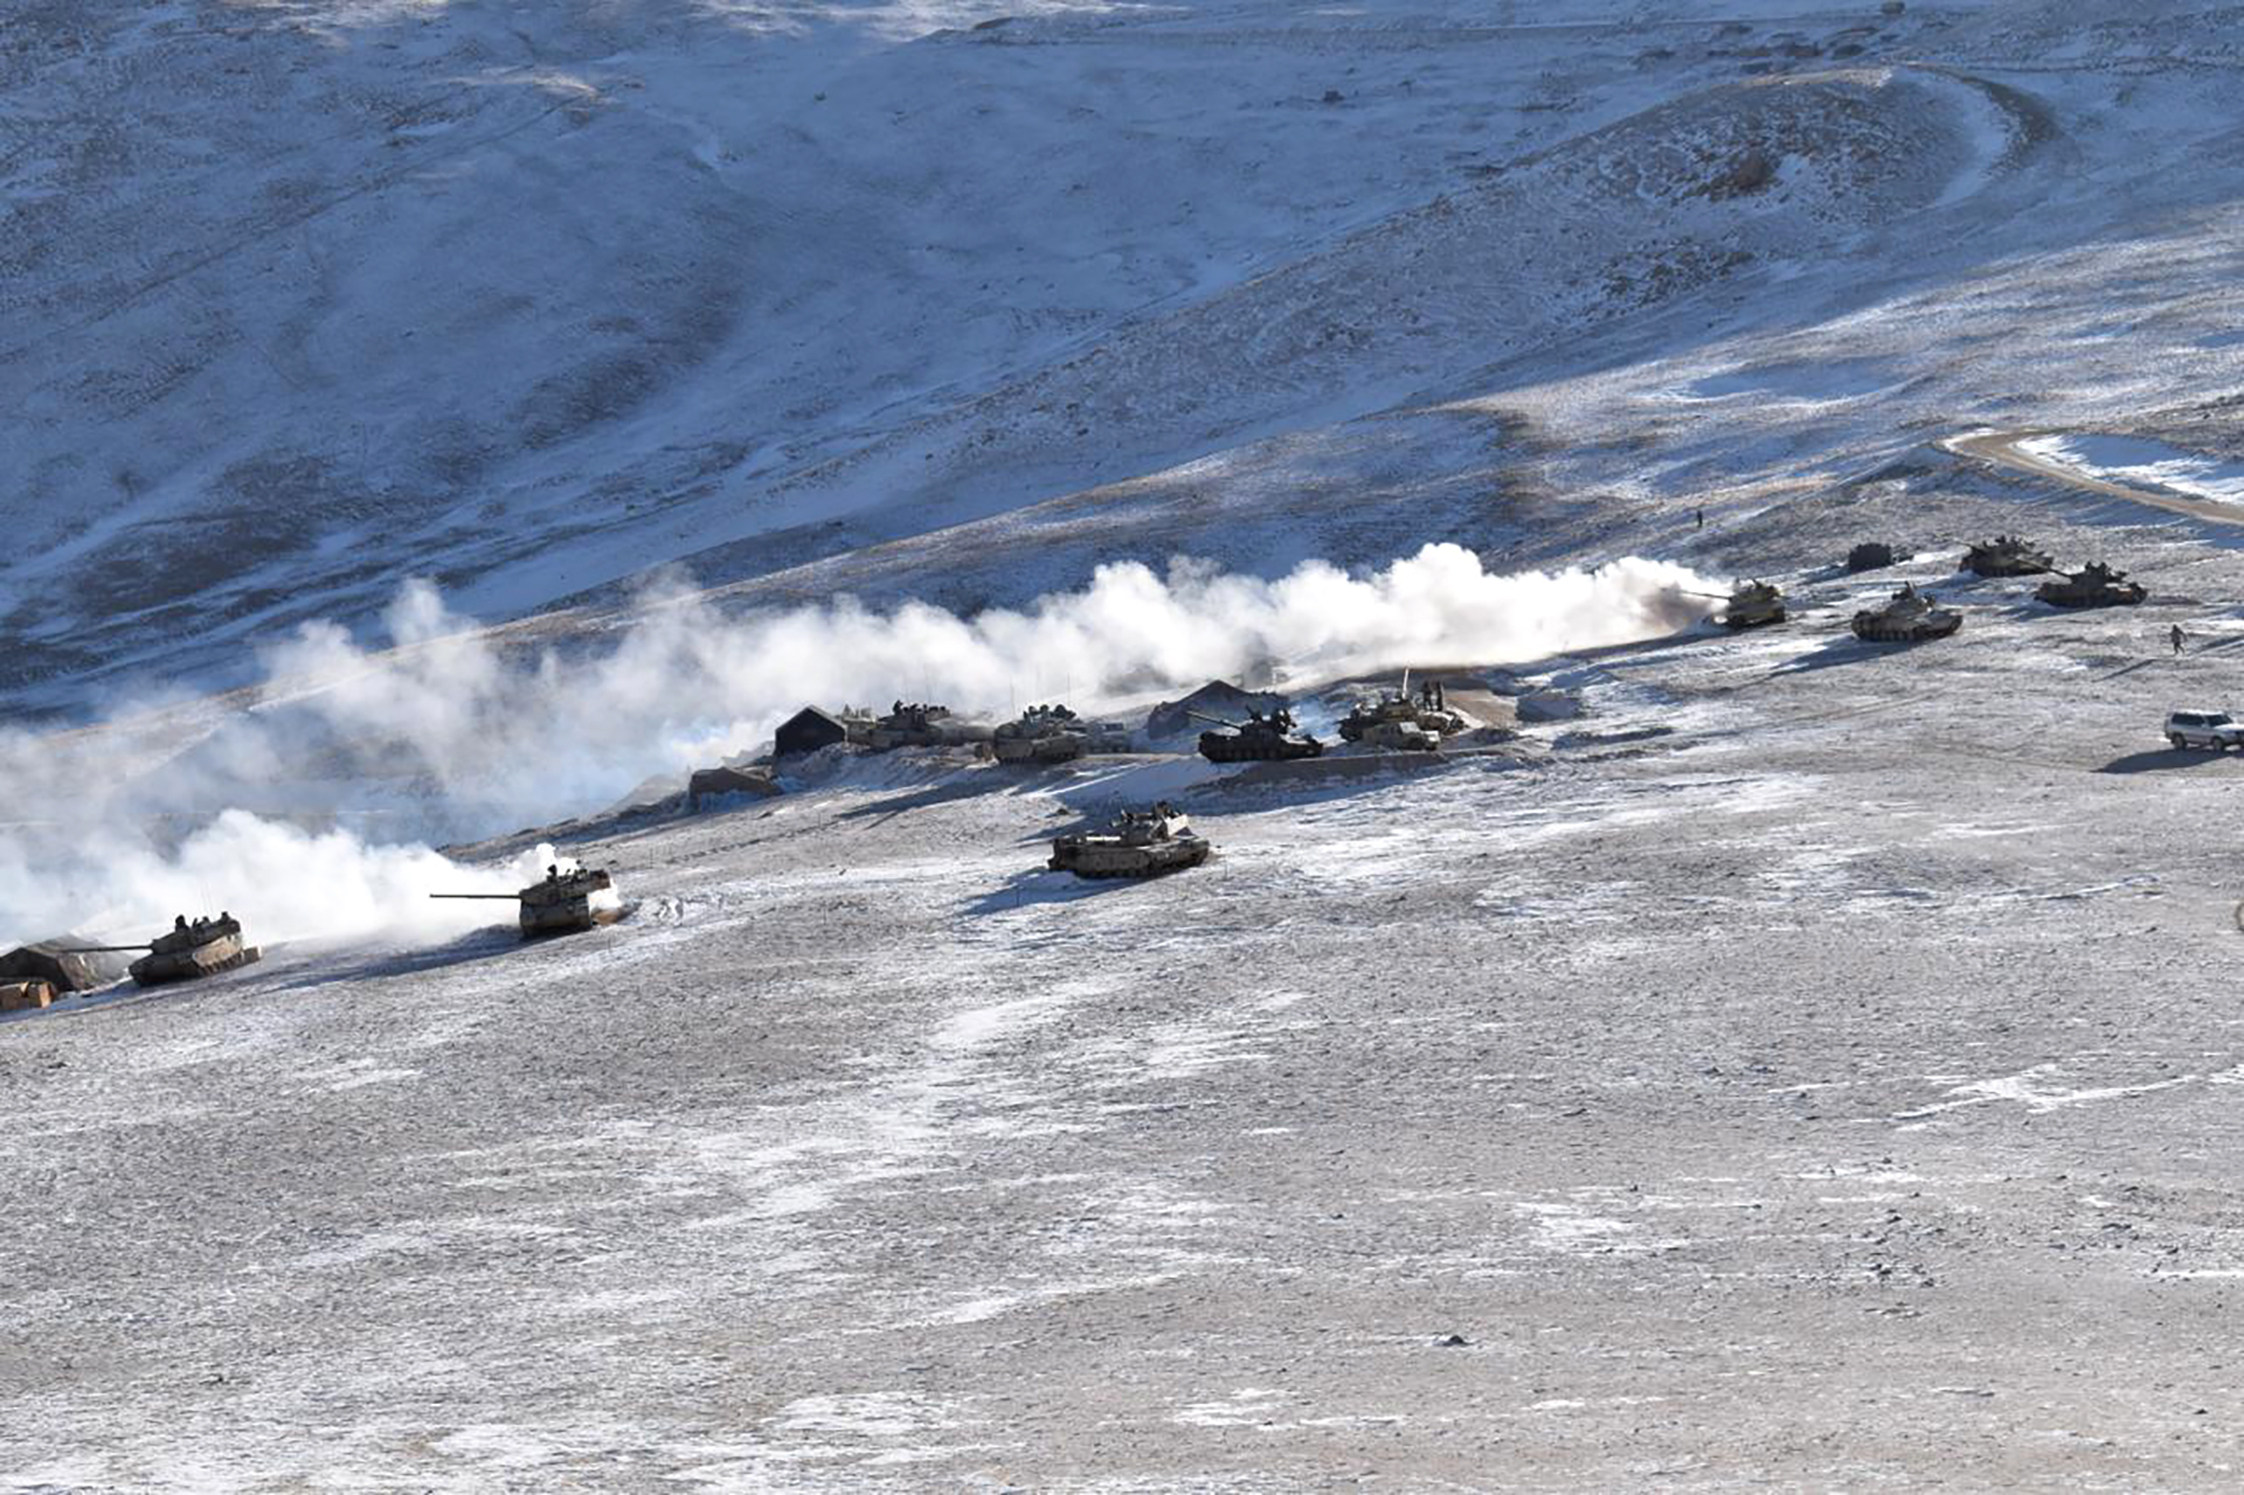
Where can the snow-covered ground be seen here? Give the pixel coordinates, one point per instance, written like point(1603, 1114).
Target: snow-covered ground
point(1806, 1067)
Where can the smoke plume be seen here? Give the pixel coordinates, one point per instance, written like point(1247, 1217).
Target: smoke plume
point(448, 732)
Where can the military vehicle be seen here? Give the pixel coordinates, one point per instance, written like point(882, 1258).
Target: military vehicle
point(1873, 555)
point(562, 902)
point(1753, 604)
point(909, 725)
point(1398, 723)
point(1909, 616)
point(1139, 843)
point(2006, 555)
point(186, 951)
point(2093, 585)
point(1258, 739)
point(1042, 734)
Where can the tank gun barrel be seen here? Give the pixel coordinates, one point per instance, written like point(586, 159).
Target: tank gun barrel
point(98, 949)
point(1202, 716)
point(509, 897)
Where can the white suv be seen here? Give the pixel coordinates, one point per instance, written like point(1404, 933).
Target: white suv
point(2204, 729)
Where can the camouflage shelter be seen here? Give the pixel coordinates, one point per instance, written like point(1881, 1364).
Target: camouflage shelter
point(807, 731)
point(48, 960)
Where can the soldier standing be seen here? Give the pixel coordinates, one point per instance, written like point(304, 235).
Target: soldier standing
point(2174, 636)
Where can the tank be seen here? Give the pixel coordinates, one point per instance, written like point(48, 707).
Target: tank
point(2006, 555)
point(1258, 739)
point(1753, 604)
point(1042, 734)
point(2093, 585)
point(1909, 616)
point(1401, 722)
point(561, 902)
point(1873, 555)
point(189, 950)
point(909, 725)
point(1139, 843)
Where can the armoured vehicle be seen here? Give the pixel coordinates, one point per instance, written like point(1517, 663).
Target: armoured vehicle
point(1259, 738)
point(1398, 723)
point(562, 902)
point(2006, 555)
point(1873, 555)
point(1909, 616)
point(1753, 604)
point(1139, 843)
point(1042, 734)
point(909, 725)
point(2093, 585)
point(187, 950)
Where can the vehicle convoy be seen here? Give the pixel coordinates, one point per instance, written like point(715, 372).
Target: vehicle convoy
point(1258, 739)
point(909, 724)
point(1907, 617)
point(1041, 734)
point(1753, 604)
point(186, 951)
point(2093, 585)
point(1139, 843)
point(562, 902)
point(2006, 555)
point(2215, 730)
point(1397, 722)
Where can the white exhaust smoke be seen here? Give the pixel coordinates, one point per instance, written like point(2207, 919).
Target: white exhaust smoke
point(447, 733)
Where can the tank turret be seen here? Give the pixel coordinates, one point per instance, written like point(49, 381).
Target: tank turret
point(1042, 734)
point(1910, 616)
point(1258, 739)
point(2093, 585)
point(2006, 555)
point(1138, 843)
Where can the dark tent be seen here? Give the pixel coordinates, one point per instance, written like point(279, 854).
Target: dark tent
point(45, 961)
point(716, 783)
point(1217, 698)
point(807, 731)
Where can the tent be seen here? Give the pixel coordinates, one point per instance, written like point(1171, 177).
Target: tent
point(716, 783)
point(46, 960)
point(807, 731)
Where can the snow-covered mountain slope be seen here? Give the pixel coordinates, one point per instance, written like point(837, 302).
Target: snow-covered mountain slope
point(307, 299)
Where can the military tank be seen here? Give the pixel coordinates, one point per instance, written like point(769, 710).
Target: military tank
point(1138, 843)
point(1399, 722)
point(1258, 739)
point(913, 724)
point(561, 902)
point(186, 951)
point(1753, 604)
point(1041, 734)
point(1908, 617)
point(1873, 555)
point(2093, 585)
point(2006, 555)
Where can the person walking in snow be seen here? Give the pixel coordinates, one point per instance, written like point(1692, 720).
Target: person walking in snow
point(2174, 636)
point(1700, 514)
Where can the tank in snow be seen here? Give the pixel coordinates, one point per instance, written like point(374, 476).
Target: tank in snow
point(912, 724)
point(562, 902)
point(1258, 739)
point(1908, 617)
point(1139, 843)
point(2006, 555)
point(1041, 734)
point(1873, 555)
point(1400, 722)
point(1753, 604)
point(187, 951)
point(2093, 585)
